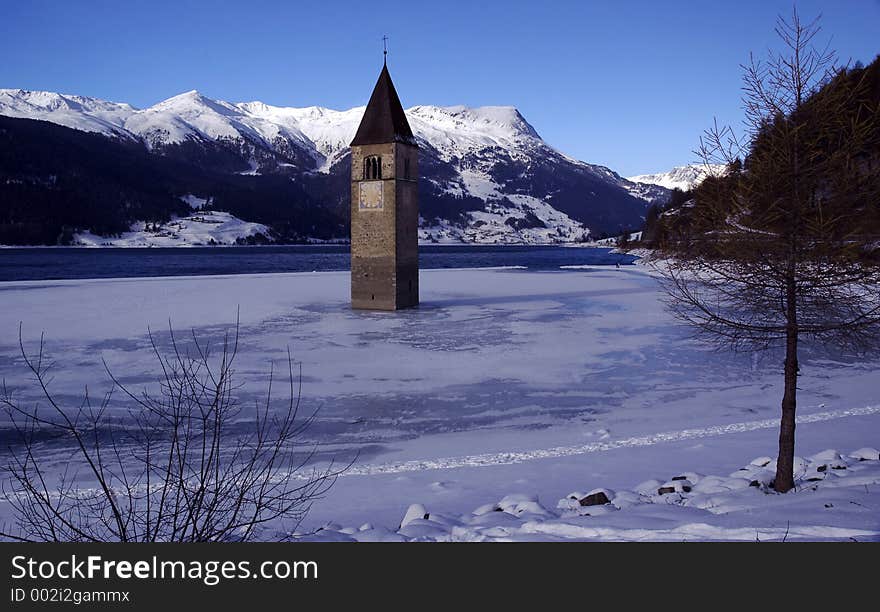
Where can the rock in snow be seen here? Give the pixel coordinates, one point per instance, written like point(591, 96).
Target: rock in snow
point(648, 512)
point(866, 454)
point(415, 511)
point(596, 498)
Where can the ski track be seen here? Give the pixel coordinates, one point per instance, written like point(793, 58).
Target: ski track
point(510, 458)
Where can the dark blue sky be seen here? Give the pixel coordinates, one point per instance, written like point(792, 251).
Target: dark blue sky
point(630, 85)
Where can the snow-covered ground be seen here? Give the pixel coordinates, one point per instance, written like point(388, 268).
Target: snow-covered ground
point(507, 397)
point(533, 221)
point(199, 229)
point(835, 499)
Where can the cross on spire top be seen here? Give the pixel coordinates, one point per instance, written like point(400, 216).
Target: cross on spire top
point(385, 49)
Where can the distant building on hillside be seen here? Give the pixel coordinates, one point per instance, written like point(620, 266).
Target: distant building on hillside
point(384, 205)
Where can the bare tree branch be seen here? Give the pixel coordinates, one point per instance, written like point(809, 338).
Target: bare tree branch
point(190, 463)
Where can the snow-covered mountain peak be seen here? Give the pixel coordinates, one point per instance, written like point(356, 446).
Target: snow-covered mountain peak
point(191, 103)
point(500, 118)
point(49, 101)
point(331, 130)
point(44, 100)
point(680, 177)
point(78, 112)
point(455, 131)
point(260, 109)
point(187, 98)
point(192, 94)
point(317, 112)
point(499, 123)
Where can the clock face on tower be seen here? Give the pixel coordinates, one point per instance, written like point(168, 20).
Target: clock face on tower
point(372, 195)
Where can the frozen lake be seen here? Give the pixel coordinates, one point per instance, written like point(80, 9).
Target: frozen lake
point(494, 361)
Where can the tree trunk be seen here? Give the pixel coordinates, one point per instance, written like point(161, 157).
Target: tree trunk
point(785, 461)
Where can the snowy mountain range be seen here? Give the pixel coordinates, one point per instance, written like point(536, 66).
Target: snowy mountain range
point(680, 177)
point(486, 174)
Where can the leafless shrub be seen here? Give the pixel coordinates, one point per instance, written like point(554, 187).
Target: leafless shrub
point(190, 464)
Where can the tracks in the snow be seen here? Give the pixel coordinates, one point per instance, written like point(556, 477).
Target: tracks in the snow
point(508, 458)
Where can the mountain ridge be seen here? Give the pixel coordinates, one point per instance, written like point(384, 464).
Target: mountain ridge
point(684, 177)
point(487, 176)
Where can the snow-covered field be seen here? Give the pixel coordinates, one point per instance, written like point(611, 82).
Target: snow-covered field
point(199, 229)
point(505, 399)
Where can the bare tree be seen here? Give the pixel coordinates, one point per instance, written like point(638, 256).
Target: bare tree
point(786, 245)
point(190, 463)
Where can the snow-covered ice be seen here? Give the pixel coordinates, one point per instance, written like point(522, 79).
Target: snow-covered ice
point(507, 391)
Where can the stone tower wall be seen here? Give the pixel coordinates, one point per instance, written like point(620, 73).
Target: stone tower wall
point(384, 235)
point(407, 212)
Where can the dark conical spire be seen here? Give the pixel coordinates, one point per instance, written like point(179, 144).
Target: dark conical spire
point(384, 120)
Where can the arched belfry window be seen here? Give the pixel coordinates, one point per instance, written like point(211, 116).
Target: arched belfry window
point(372, 168)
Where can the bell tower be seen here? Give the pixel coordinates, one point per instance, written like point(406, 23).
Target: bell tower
point(384, 205)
